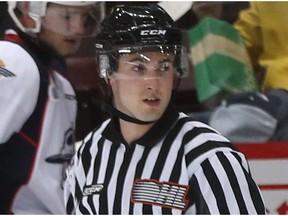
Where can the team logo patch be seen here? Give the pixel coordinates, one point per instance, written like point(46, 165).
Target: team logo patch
point(166, 194)
point(92, 189)
point(4, 72)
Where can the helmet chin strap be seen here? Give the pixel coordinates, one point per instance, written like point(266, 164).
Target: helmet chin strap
point(105, 107)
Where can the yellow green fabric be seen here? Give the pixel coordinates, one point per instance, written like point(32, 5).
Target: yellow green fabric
point(220, 59)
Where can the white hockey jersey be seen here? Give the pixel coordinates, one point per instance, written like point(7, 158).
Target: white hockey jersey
point(37, 123)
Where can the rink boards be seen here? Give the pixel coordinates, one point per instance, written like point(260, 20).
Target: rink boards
point(269, 166)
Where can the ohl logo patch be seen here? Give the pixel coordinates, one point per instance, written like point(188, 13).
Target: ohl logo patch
point(4, 72)
point(165, 194)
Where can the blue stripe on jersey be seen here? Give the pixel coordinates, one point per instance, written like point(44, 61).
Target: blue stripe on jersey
point(6, 73)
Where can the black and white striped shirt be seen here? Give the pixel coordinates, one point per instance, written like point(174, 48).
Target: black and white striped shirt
point(179, 167)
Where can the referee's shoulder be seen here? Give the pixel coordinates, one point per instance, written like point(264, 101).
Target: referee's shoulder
point(191, 124)
point(198, 134)
point(95, 133)
point(202, 142)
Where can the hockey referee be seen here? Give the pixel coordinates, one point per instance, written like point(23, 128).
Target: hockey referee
point(148, 158)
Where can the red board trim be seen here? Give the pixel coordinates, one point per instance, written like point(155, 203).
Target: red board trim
point(274, 187)
point(271, 150)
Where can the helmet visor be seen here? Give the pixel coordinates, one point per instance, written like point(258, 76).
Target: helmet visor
point(82, 21)
point(145, 62)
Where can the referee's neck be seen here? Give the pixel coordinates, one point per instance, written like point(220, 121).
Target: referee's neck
point(131, 131)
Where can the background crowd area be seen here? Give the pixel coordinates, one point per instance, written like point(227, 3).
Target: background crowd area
point(82, 68)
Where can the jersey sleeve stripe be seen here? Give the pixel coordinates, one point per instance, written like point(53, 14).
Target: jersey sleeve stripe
point(257, 200)
point(197, 197)
point(204, 148)
point(216, 187)
point(233, 182)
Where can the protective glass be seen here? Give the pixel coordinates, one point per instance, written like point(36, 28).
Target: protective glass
point(152, 62)
point(66, 20)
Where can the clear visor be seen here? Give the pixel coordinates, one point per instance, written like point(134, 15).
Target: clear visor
point(157, 62)
point(80, 21)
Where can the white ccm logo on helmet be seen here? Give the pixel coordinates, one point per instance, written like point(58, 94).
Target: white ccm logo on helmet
point(153, 32)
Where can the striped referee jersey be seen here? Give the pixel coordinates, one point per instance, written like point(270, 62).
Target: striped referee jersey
point(180, 166)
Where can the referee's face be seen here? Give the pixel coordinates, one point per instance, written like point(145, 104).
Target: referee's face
point(143, 84)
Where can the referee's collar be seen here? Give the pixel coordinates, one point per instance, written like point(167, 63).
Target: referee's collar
point(152, 137)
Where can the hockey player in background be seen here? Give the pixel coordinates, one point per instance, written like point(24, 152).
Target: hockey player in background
point(37, 102)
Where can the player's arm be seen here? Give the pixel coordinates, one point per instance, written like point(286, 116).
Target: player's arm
point(19, 87)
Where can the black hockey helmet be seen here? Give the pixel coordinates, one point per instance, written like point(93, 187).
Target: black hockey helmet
point(138, 28)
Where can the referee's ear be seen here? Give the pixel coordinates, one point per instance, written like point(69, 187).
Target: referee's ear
point(107, 88)
point(176, 82)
